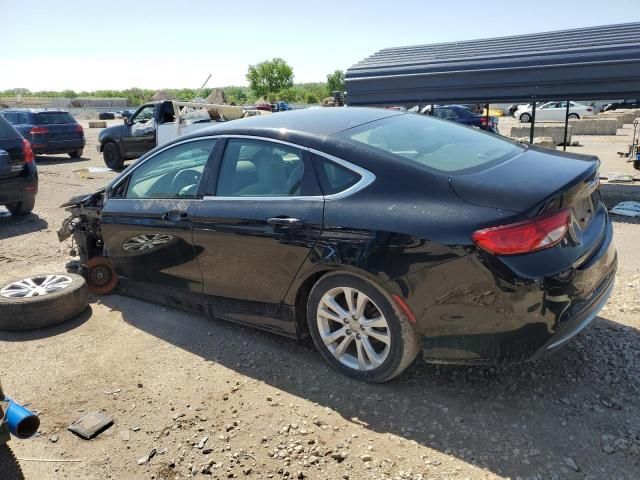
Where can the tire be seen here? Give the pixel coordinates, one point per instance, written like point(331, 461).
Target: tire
point(112, 157)
point(574, 116)
point(20, 313)
point(9, 466)
point(22, 208)
point(76, 153)
point(394, 355)
point(525, 118)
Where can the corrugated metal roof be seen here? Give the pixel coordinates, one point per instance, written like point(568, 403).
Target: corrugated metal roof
point(584, 63)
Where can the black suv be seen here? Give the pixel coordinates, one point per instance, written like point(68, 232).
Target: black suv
point(48, 130)
point(18, 174)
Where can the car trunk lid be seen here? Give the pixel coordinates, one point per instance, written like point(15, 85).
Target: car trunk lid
point(537, 181)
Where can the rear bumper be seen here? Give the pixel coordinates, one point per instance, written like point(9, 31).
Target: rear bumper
point(16, 189)
point(470, 311)
point(58, 146)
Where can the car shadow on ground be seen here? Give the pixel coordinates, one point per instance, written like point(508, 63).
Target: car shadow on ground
point(507, 420)
point(58, 159)
point(59, 329)
point(14, 225)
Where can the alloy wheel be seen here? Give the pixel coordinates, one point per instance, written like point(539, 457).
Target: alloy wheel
point(145, 242)
point(36, 286)
point(353, 328)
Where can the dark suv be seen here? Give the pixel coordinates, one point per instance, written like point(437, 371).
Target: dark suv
point(18, 174)
point(48, 130)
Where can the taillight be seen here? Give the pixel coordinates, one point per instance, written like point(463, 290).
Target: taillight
point(483, 120)
point(531, 235)
point(78, 129)
point(27, 153)
point(38, 130)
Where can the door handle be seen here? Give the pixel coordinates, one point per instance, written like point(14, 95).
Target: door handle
point(284, 221)
point(174, 215)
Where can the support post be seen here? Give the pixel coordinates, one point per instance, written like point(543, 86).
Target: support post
point(533, 121)
point(486, 117)
point(566, 127)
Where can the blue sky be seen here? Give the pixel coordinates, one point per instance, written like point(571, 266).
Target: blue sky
point(87, 45)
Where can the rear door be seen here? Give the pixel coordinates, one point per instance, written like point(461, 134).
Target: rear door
point(261, 217)
point(146, 222)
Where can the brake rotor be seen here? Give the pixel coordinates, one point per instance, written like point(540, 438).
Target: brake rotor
point(101, 277)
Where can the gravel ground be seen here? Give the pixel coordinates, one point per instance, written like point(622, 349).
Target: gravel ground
point(197, 397)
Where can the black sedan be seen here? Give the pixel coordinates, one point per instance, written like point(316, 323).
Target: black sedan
point(379, 233)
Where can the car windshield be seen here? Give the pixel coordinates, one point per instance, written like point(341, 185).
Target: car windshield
point(436, 144)
point(53, 118)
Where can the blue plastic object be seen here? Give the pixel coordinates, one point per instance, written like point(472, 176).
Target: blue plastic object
point(22, 422)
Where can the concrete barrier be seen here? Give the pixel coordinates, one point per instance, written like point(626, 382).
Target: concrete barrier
point(546, 142)
point(98, 124)
point(621, 117)
point(596, 126)
point(555, 132)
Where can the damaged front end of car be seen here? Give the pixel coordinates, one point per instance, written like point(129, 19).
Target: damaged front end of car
point(87, 246)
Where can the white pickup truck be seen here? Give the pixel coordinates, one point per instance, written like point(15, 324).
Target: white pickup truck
point(156, 123)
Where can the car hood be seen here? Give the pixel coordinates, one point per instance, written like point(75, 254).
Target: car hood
point(525, 182)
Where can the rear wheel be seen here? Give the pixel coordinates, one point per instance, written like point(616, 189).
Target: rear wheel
point(574, 116)
point(76, 153)
point(358, 330)
point(9, 466)
point(525, 118)
point(112, 157)
point(22, 208)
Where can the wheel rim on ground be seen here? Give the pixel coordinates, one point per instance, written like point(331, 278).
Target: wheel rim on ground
point(36, 286)
point(353, 328)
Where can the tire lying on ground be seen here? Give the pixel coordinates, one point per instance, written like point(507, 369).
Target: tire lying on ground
point(41, 301)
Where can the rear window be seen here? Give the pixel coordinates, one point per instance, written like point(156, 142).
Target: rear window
point(6, 130)
point(436, 144)
point(53, 118)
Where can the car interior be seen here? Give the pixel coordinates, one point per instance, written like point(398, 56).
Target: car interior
point(259, 169)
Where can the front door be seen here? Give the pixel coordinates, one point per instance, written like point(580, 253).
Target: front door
point(146, 222)
point(259, 223)
point(142, 136)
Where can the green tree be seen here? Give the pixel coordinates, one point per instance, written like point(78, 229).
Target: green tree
point(335, 81)
point(68, 94)
point(270, 77)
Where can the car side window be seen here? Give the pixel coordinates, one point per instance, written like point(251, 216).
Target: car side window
point(173, 173)
point(442, 113)
point(453, 114)
point(334, 178)
point(257, 168)
point(143, 115)
point(11, 117)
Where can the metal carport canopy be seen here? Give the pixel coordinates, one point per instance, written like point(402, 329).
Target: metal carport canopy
point(579, 64)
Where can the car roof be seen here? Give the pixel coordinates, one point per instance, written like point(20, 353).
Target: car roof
point(36, 110)
point(314, 122)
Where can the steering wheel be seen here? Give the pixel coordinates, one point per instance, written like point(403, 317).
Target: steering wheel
point(184, 179)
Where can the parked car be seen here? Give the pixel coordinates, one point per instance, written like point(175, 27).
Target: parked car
point(106, 116)
point(464, 116)
point(18, 173)
point(554, 111)
point(48, 130)
point(156, 123)
point(376, 232)
point(629, 103)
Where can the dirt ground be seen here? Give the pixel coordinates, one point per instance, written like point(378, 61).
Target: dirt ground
point(215, 400)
